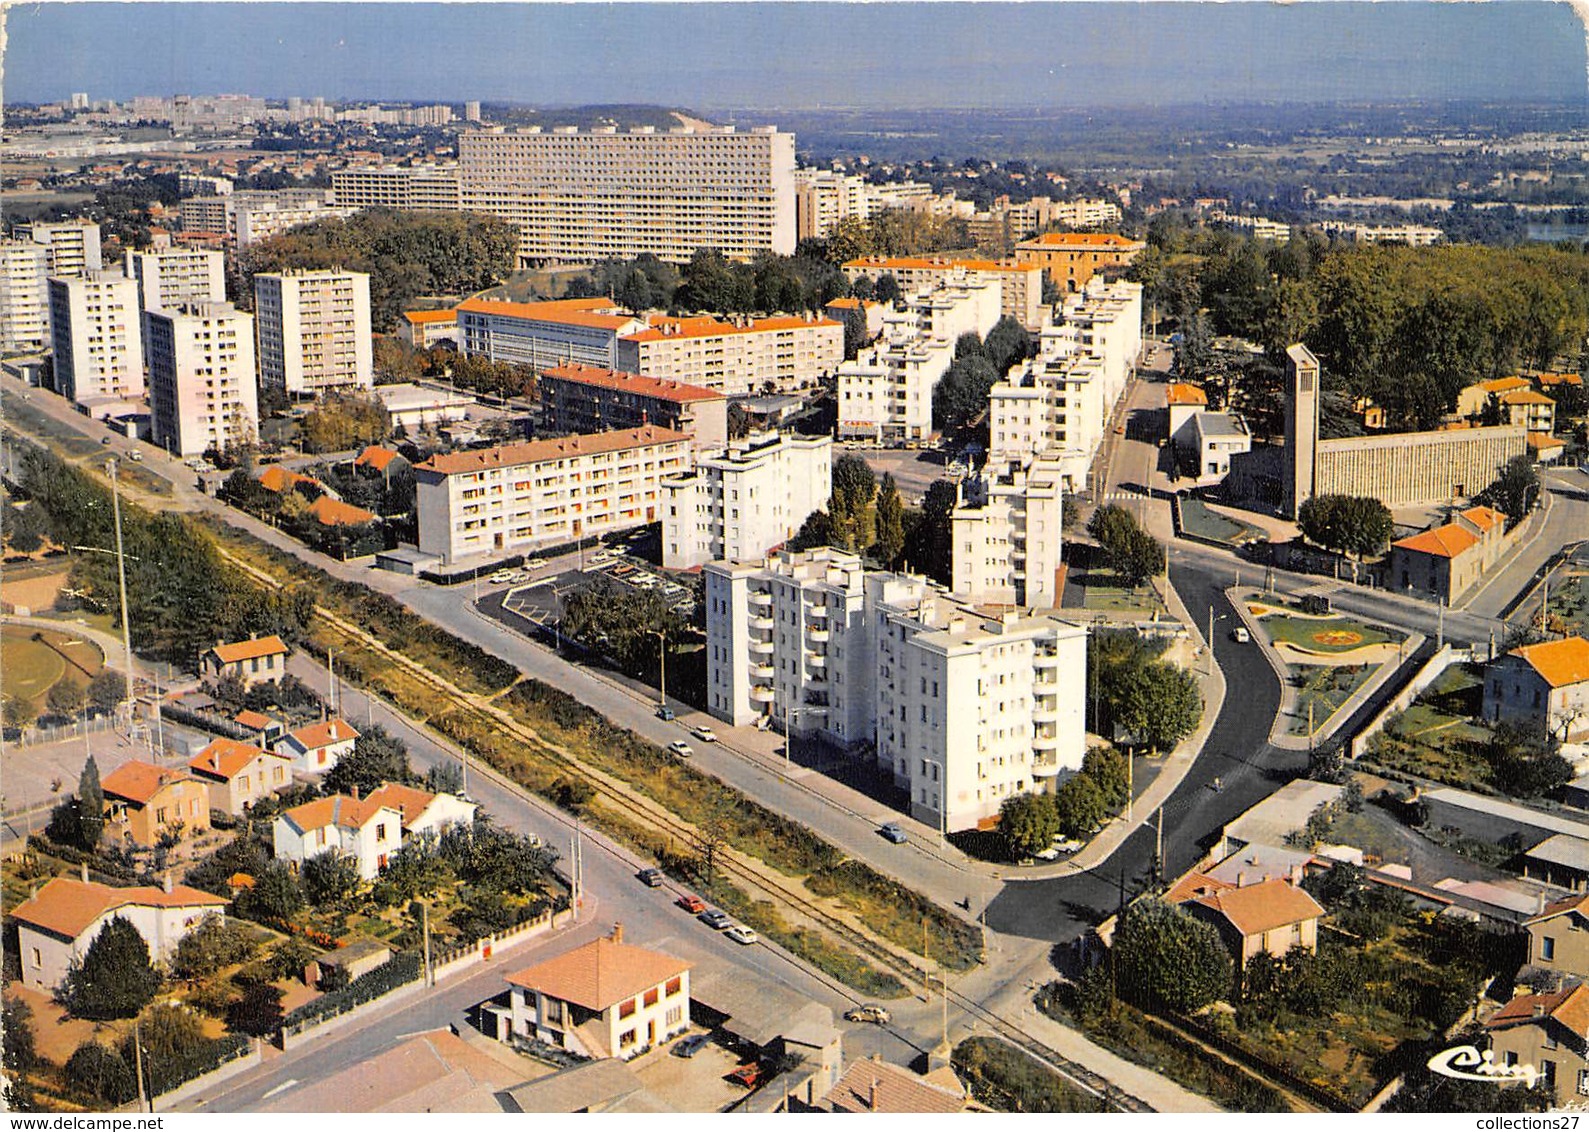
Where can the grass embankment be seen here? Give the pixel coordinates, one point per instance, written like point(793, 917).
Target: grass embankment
point(1007, 1080)
point(1326, 688)
point(1437, 738)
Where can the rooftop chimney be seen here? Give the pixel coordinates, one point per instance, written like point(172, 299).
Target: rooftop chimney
point(355, 793)
point(871, 1095)
point(165, 881)
point(617, 932)
point(85, 872)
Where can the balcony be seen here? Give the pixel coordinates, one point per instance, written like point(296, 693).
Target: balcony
point(816, 660)
point(817, 636)
point(761, 694)
point(817, 612)
point(1045, 742)
point(1045, 766)
point(762, 647)
point(761, 624)
point(762, 671)
point(759, 599)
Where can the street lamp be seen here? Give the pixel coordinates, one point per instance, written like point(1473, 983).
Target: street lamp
point(1209, 642)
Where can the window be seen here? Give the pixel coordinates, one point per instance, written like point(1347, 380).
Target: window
point(626, 1039)
point(675, 1015)
point(38, 958)
point(1547, 948)
point(651, 997)
point(380, 831)
point(673, 987)
point(627, 1009)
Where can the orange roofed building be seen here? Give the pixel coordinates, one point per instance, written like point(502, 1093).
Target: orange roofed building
point(143, 800)
point(1544, 687)
point(874, 1085)
point(1549, 1032)
point(545, 334)
point(605, 999)
point(424, 329)
point(736, 356)
point(239, 774)
point(1447, 561)
point(316, 747)
point(366, 830)
point(256, 661)
point(58, 922)
point(584, 399)
point(1271, 916)
point(1072, 258)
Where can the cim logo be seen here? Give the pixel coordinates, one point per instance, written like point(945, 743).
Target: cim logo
point(1466, 1063)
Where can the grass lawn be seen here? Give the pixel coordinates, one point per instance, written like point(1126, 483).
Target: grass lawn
point(1326, 688)
point(1436, 737)
point(1104, 593)
point(1326, 635)
point(32, 661)
point(1199, 520)
point(1568, 610)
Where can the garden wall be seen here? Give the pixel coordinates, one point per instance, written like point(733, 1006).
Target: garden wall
point(1402, 700)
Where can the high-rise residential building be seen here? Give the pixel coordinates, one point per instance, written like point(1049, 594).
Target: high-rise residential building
point(177, 275)
point(433, 187)
point(24, 295)
point(95, 334)
point(314, 330)
point(1020, 284)
point(471, 110)
point(579, 196)
point(203, 185)
point(202, 388)
point(744, 500)
point(492, 502)
point(962, 708)
point(1072, 258)
point(737, 356)
point(245, 217)
point(561, 332)
point(589, 399)
point(1007, 535)
point(73, 245)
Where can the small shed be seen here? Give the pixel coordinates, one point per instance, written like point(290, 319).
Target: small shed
point(359, 957)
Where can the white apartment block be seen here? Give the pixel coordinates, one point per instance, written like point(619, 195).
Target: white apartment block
point(174, 276)
point(73, 245)
point(202, 185)
point(964, 708)
point(1008, 534)
point(742, 501)
point(823, 197)
point(1259, 227)
point(434, 187)
point(95, 334)
point(1413, 235)
point(562, 332)
point(579, 196)
point(246, 217)
point(203, 393)
point(1021, 284)
point(497, 501)
point(738, 356)
point(314, 330)
point(24, 295)
point(885, 394)
point(1006, 222)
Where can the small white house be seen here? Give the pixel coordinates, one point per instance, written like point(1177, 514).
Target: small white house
point(60, 921)
point(256, 661)
point(239, 774)
point(424, 812)
point(316, 748)
point(361, 828)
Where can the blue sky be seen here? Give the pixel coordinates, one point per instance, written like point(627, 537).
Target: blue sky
point(772, 55)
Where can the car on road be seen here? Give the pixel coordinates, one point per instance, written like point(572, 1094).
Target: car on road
point(692, 904)
point(739, 933)
point(135, 456)
point(651, 878)
point(681, 749)
point(690, 1046)
point(104, 440)
point(705, 734)
point(868, 1012)
point(665, 713)
point(892, 831)
point(716, 919)
point(1240, 635)
point(501, 577)
point(747, 1075)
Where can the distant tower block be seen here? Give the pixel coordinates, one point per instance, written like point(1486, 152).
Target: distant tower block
point(1302, 426)
point(471, 111)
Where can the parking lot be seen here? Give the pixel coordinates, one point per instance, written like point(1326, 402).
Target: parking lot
point(692, 1084)
point(913, 470)
point(541, 601)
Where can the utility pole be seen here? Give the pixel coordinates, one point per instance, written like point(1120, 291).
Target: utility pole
point(331, 680)
point(121, 574)
point(1158, 844)
point(1131, 766)
point(424, 912)
point(144, 1103)
point(1440, 624)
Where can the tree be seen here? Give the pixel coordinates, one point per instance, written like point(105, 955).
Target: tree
point(90, 806)
point(1194, 355)
point(1028, 822)
point(855, 335)
point(343, 420)
point(167, 1033)
point(1141, 558)
point(66, 698)
point(1161, 705)
point(1079, 806)
point(886, 289)
point(214, 944)
point(1516, 490)
point(329, 878)
point(1349, 524)
point(107, 690)
point(378, 757)
point(890, 523)
point(275, 895)
point(1112, 525)
point(16, 1033)
point(19, 713)
point(99, 1074)
point(258, 1013)
point(1007, 343)
point(445, 778)
point(929, 546)
point(862, 288)
point(738, 422)
point(854, 485)
point(1166, 958)
point(1109, 769)
point(114, 979)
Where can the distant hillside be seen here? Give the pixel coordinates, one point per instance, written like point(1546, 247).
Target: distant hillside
point(586, 117)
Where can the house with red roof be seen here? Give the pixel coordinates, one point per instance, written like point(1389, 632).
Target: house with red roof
point(605, 999)
point(144, 801)
point(1070, 259)
point(424, 812)
point(258, 660)
point(1549, 1033)
point(363, 829)
point(315, 748)
point(1544, 687)
point(239, 774)
point(424, 329)
point(1447, 561)
point(1271, 916)
point(330, 512)
point(59, 922)
point(874, 1085)
point(578, 398)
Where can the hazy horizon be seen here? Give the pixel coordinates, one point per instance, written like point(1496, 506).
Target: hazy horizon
point(710, 57)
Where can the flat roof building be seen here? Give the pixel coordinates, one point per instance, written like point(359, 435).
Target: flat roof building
point(738, 355)
point(98, 348)
point(314, 330)
point(24, 295)
point(577, 398)
point(203, 393)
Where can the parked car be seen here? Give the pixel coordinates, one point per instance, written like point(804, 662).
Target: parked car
point(1065, 845)
point(690, 1046)
point(891, 831)
point(135, 456)
point(501, 577)
point(1049, 854)
point(692, 904)
point(665, 713)
point(717, 920)
point(747, 1075)
point(739, 933)
point(705, 734)
point(651, 878)
point(868, 1012)
point(1240, 635)
point(681, 749)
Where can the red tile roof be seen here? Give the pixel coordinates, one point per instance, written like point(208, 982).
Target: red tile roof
point(1091, 241)
point(873, 1085)
point(1193, 885)
point(415, 317)
point(1262, 907)
point(278, 479)
point(334, 513)
point(139, 781)
point(679, 329)
point(406, 800)
point(1182, 393)
point(224, 758)
point(1442, 542)
point(250, 649)
point(338, 810)
point(537, 451)
point(1526, 397)
point(1485, 518)
point(1559, 663)
point(324, 733)
point(601, 974)
point(374, 456)
point(1540, 441)
point(1569, 1006)
point(1503, 384)
point(639, 384)
point(573, 312)
point(65, 907)
point(253, 720)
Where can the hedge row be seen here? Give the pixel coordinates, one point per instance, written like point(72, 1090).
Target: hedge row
point(396, 972)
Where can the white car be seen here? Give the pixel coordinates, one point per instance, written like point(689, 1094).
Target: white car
point(705, 734)
point(1240, 635)
point(680, 748)
point(739, 933)
point(501, 577)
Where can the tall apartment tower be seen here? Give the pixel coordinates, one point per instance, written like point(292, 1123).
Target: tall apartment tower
point(24, 297)
point(579, 196)
point(314, 331)
point(94, 332)
point(202, 391)
point(1302, 426)
point(471, 110)
point(73, 246)
point(174, 276)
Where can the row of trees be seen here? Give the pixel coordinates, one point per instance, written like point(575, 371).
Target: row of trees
point(1348, 524)
point(961, 395)
point(1029, 823)
point(67, 700)
point(868, 517)
point(1132, 553)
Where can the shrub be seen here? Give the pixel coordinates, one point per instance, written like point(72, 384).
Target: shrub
point(99, 1074)
point(396, 972)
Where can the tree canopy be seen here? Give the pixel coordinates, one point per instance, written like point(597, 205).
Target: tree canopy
point(114, 978)
point(1165, 957)
point(1351, 524)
